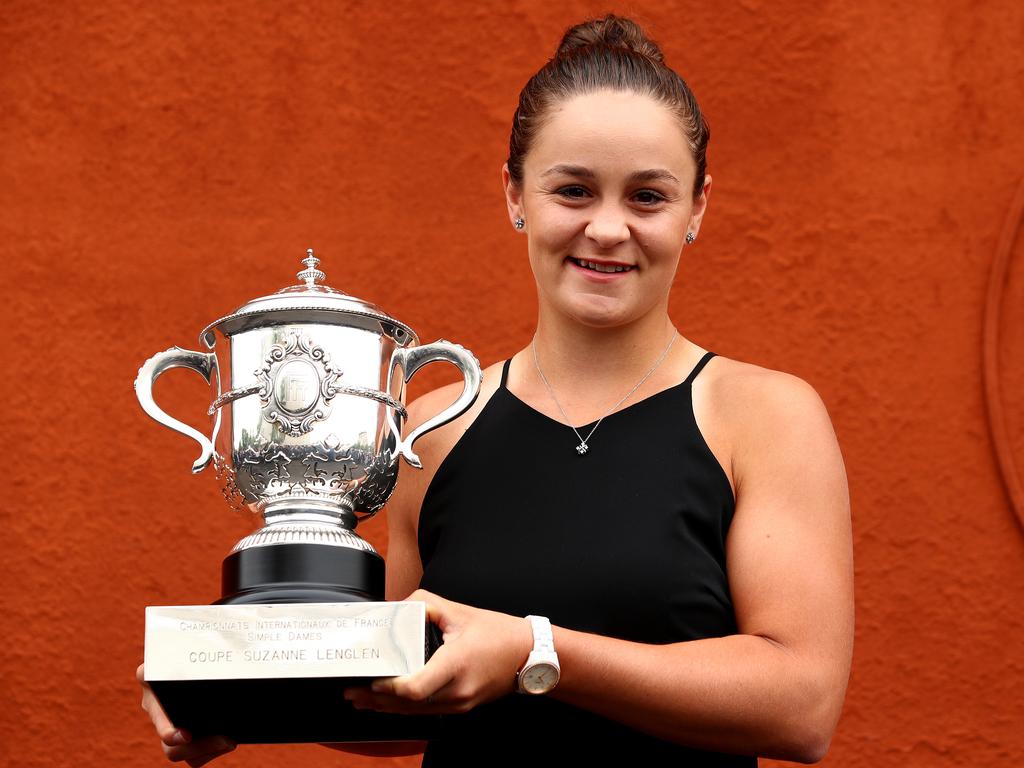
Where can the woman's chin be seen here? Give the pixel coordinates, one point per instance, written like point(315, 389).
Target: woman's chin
point(602, 314)
point(597, 309)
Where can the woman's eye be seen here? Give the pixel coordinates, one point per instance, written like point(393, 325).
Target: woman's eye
point(648, 197)
point(573, 192)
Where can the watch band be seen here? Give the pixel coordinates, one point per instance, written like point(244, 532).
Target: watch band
point(543, 639)
point(542, 661)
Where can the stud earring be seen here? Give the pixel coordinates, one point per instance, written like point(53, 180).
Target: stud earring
point(520, 223)
point(690, 237)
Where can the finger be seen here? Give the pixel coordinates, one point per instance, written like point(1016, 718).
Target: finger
point(422, 594)
point(225, 746)
point(435, 604)
point(364, 698)
point(420, 685)
point(165, 729)
point(382, 702)
point(200, 751)
point(445, 701)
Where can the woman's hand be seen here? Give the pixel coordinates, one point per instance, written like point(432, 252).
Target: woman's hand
point(178, 744)
point(478, 662)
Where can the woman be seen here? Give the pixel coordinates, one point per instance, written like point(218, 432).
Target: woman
point(688, 548)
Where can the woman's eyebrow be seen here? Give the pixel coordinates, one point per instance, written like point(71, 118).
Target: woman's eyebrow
point(651, 174)
point(569, 170)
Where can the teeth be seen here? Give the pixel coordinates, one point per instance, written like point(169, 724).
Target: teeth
point(601, 267)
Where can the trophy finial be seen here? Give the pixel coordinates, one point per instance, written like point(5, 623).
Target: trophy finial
point(310, 274)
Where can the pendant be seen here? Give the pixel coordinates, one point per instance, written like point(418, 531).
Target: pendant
point(582, 448)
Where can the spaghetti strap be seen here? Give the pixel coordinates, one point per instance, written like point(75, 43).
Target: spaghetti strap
point(698, 367)
point(504, 373)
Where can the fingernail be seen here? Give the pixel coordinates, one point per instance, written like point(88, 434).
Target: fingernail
point(181, 737)
point(378, 686)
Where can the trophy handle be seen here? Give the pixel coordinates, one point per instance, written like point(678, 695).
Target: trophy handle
point(412, 359)
point(204, 363)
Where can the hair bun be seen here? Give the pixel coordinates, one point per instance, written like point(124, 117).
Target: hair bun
point(611, 31)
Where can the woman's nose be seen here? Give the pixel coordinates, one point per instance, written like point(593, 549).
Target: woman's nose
point(608, 226)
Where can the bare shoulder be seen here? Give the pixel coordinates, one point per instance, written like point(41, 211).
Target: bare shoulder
point(739, 406)
point(758, 406)
point(750, 388)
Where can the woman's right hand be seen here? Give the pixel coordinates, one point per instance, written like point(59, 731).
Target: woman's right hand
point(178, 744)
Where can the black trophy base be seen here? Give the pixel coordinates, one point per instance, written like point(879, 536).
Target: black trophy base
point(283, 710)
point(301, 573)
point(293, 710)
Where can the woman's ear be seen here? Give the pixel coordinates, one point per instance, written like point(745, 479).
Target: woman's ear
point(513, 196)
point(700, 205)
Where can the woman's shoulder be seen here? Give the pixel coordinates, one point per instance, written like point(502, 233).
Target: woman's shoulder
point(754, 386)
point(762, 407)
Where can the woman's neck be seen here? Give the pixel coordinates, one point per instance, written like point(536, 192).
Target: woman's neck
point(579, 358)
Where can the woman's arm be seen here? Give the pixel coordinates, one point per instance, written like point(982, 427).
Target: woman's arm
point(776, 688)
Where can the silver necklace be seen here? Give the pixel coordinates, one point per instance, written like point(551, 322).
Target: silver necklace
point(582, 448)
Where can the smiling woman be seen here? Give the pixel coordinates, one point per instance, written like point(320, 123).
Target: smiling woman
point(636, 550)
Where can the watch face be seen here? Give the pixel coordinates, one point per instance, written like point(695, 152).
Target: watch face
point(539, 678)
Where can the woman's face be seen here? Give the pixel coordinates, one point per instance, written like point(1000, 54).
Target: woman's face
point(607, 195)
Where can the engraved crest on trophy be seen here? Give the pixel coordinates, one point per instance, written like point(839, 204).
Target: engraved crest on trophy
point(297, 384)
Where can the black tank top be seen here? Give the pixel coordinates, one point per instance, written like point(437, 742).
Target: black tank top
point(626, 541)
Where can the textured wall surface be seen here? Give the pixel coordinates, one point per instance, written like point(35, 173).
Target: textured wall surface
point(161, 164)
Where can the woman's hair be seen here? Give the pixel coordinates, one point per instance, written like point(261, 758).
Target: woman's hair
point(609, 53)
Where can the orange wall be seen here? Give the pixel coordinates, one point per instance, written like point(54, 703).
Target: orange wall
point(164, 162)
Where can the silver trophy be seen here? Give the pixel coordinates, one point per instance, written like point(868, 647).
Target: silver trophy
point(308, 388)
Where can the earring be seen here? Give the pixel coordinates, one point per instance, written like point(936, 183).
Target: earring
point(520, 223)
point(690, 237)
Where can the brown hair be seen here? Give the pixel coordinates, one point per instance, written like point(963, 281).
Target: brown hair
point(614, 53)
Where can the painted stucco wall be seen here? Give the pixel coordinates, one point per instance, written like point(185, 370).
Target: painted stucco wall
point(162, 163)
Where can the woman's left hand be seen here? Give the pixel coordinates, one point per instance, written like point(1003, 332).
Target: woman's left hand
point(478, 661)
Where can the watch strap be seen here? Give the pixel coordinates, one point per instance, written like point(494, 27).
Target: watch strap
point(543, 651)
point(543, 639)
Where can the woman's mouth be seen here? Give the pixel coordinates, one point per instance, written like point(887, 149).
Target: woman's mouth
point(595, 266)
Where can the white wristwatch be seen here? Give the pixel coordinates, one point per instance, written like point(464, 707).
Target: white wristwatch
point(540, 673)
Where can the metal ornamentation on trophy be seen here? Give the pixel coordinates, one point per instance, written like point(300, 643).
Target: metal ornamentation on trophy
point(308, 401)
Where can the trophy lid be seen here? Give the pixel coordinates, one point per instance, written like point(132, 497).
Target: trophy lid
point(309, 302)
